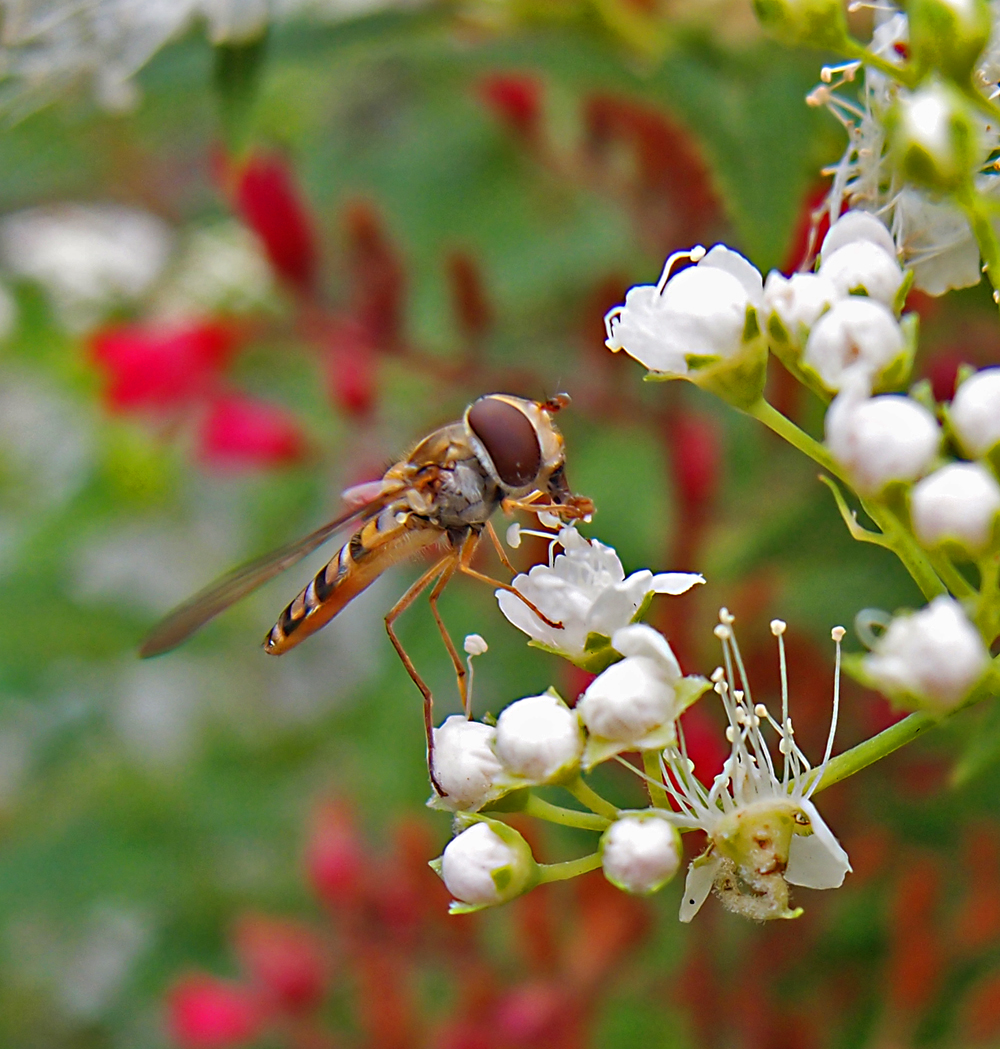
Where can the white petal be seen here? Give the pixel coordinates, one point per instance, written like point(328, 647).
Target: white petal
point(734, 263)
point(639, 639)
point(697, 886)
point(816, 861)
point(674, 583)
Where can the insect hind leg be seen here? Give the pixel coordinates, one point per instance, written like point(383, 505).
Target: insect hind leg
point(443, 565)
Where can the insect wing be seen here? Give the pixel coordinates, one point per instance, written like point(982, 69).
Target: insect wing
point(194, 613)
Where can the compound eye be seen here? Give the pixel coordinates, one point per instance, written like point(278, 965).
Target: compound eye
point(509, 439)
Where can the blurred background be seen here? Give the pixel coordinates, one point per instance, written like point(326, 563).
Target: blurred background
point(247, 256)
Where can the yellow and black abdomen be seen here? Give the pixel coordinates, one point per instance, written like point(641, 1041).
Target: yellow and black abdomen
point(378, 545)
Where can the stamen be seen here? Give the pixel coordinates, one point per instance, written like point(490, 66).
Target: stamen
point(761, 711)
point(474, 645)
point(723, 633)
point(718, 674)
point(696, 254)
point(778, 627)
point(725, 616)
point(513, 536)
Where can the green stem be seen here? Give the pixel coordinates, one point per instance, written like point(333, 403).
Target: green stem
point(570, 869)
point(904, 546)
point(861, 53)
point(953, 578)
point(876, 748)
point(899, 540)
point(986, 238)
point(589, 797)
point(651, 765)
point(544, 810)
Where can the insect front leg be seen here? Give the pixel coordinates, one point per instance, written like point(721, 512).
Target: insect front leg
point(468, 550)
point(391, 616)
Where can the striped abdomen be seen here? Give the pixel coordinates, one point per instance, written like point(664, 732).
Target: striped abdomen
point(359, 562)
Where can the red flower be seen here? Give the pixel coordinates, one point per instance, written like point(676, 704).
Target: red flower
point(334, 858)
point(796, 255)
point(160, 369)
point(204, 1012)
point(284, 958)
point(242, 432)
point(351, 369)
point(516, 98)
point(269, 202)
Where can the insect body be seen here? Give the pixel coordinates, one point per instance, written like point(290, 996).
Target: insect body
point(505, 452)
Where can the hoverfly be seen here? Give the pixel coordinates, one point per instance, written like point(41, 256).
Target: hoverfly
point(504, 452)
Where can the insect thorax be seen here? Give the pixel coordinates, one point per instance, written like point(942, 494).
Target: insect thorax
point(466, 496)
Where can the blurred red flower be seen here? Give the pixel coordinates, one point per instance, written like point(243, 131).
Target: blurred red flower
point(159, 369)
point(204, 1012)
point(285, 959)
point(241, 432)
point(270, 203)
point(516, 99)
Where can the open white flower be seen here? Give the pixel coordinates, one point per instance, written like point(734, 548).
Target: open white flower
point(585, 588)
point(879, 440)
point(764, 832)
point(634, 704)
point(699, 324)
point(932, 657)
point(975, 412)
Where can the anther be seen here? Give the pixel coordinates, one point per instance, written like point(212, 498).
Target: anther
point(475, 644)
point(730, 733)
point(778, 627)
point(784, 746)
point(725, 616)
point(738, 694)
point(514, 536)
point(718, 674)
point(837, 633)
point(760, 710)
point(723, 633)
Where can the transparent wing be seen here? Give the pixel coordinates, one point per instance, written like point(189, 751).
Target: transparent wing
point(194, 613)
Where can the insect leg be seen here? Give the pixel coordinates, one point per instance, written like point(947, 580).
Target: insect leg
point(463, 566)
point(491, 532)
point(390, 617)
point(460, 671)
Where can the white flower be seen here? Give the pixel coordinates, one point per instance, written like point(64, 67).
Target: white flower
point(863, 266)
point(698, 313)
point(640, 853)
point(764, 832)
point(855, 227)
point(465, 766)
point(585, 589)
point(486, 864)
point(634, 704)
point(797, 301)
point(89, 258)
point(878, 440)
point(220, 268)
point(539, 738)
point(934, 656)
point(932, 237)
point(48, 47)
point(975, 412)
point(959, 503)
point(856, 336)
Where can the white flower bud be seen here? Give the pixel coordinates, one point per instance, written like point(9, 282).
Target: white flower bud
point(487, 864)
point(959, 503)
point(640, 854)
point(465, 766)
point(975, 412)
point(934, 136)
point(865, 266)
point(634, 704)
point(934, 656)
point(948, 35)
point(881, 439)
point(858, 335)
point(539, 738)
point(854, 226)
point(797, 302)
point(695, 321)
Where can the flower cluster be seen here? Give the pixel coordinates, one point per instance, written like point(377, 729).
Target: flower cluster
point(763, 830)
point(908, 143)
